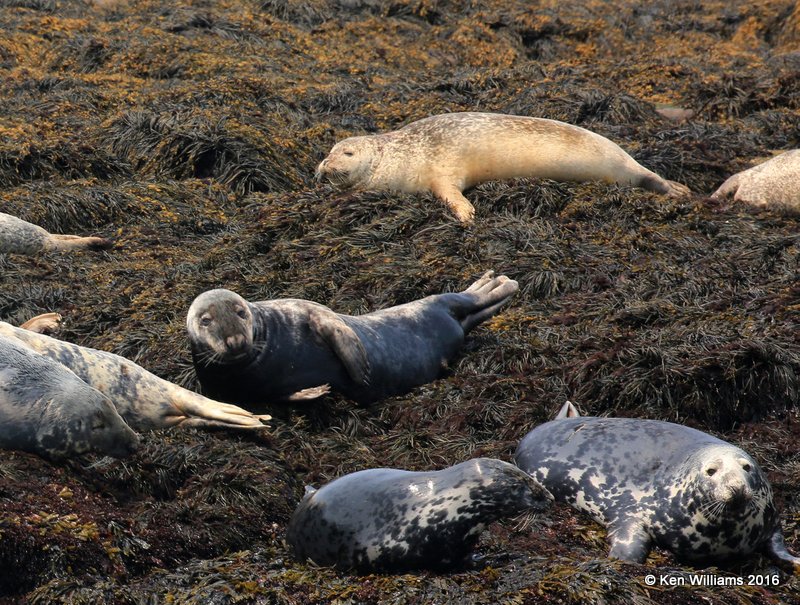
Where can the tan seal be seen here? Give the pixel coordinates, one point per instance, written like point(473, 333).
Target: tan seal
point(775, 182)
point(144, 400)
point(449, 153)
point(21, 237)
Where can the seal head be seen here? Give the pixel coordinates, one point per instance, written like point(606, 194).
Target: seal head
point(396, 521)
point(351, 162)
point(220, 326)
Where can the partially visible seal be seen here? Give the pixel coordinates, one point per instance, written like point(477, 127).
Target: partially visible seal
point(21, 237)
point(43, 324)
point(776, 182)
point(144, 400)
point(448, 153)
point(392, 520)
point(657, 483)
point(47, 410)
point(255, 353)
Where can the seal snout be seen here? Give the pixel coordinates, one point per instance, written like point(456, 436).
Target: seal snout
point(236, 345)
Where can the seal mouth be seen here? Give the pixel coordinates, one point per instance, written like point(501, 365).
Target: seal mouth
point(338, 178)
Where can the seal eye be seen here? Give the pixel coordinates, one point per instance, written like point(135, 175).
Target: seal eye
point(241, 313)
point(349, 154)
point(747, 468)
point(711, 472)
point(205, 321)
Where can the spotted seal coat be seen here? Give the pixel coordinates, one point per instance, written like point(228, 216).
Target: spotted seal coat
point(657, 483)
point(144, 400)
point(393, 520)
point(21, 237)
point(775, 182)
point(446, 154)
point(47, 410)
point(252, 353)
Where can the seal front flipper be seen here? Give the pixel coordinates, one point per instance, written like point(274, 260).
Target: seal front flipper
point(629, 541)
point(311, 393)
point(776, 549)
point(455, 200)
point(43, 324)
point(345, 343)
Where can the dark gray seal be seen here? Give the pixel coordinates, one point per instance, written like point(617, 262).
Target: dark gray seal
point(392, 520)
point(657, 483)
point(255, 353)
point(45, 409)
point(21, 237)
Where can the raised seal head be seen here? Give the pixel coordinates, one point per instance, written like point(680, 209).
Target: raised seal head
point(220, 326)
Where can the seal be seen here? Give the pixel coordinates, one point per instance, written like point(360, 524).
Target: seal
point(255, 353)
point(47, 410)
point(393, 520)
point(657, 483)
point(772, 183)
point(43, 324)
point(446, 154)
point(144, 400)
point(21, 237)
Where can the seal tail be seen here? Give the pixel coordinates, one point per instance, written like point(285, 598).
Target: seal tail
point(485, 297)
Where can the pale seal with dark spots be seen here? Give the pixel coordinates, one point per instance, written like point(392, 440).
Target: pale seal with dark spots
point(446, 154)
point(775, 182)
point(655, 483)
point(47, 410)
point(21, 237)
point(393, 520)
point(255, 353)
point(144, 400)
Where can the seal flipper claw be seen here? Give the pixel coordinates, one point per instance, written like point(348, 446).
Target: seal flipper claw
point(629, 541)
point(344, 342)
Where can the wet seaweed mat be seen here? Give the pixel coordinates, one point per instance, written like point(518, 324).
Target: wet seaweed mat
point(188, 133)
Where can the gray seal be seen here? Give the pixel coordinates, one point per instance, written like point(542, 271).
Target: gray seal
point(144, 400)
point(393, 520)
point(772, 183)
point(47, 410)
point(255, 353)
point(657, 483)
point(21, 237)
point(449, 153)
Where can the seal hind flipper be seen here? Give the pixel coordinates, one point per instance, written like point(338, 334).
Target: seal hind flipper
point(43, 324)
point(776, 549)
point(76, 242)
point(483, 298)
point(730, 186)
point(568, 410)
point(629, 541)
point(344, 342)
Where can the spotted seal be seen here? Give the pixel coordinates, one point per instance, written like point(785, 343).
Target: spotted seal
point(392, 520)
point(657, 483)
point(21, 237)
point(145, 401)
point(446, 154)
point(47, 410)
point(772, 183)
point(252, 353)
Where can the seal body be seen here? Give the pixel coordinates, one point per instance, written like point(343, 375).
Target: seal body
point(394, 520)
point(21, 237)
point(253, 353)
point(776, 182)
point(448, 153)
point(657, 483)
point(144, 400)
point(47, 410)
